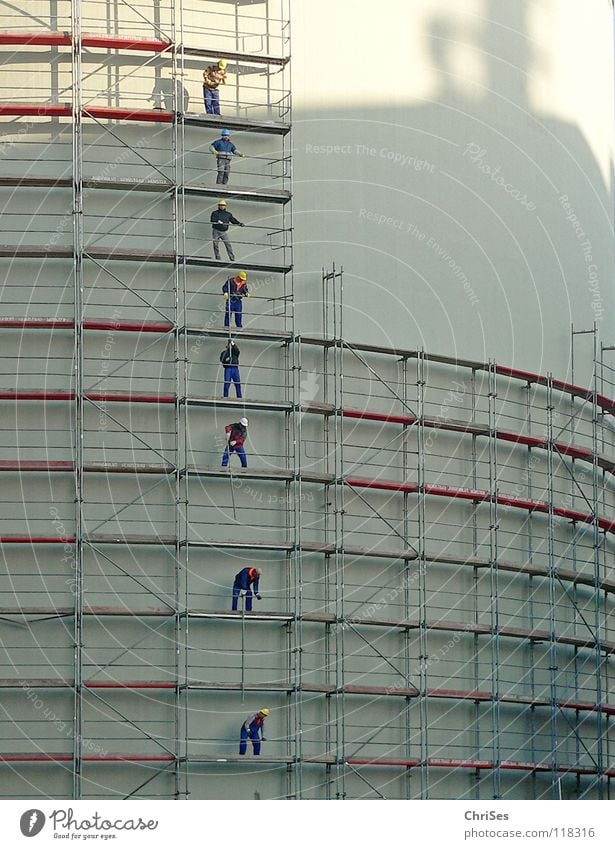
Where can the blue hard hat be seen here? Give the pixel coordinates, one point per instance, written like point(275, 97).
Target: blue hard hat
point(225, 133)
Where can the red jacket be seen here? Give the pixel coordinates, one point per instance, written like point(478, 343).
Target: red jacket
point(237, 433)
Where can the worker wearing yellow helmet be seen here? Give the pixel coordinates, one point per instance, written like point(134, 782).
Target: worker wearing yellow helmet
point(235, 290)
point(213, 77)
point(253, 729)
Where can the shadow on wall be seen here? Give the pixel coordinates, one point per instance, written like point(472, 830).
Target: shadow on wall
point(468, 225)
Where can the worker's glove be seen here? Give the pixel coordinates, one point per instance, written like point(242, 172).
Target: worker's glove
point(233, 442)
point(242, 155)
point(259, 596)
point(242, 225)
point(264, 739)
point(226, 296)
point(248, 295)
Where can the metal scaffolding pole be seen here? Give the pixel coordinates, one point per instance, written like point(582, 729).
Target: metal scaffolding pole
point(422, 583)
point(77, 152)
point(494, 606)
point(553, 653)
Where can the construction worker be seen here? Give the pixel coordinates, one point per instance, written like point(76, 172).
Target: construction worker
point(244, 581)
point(223, 149)
point(230, 360)
point(235, 290)
point(235, 437)
point(253, 728)
point(220, 219)
point(213, 77)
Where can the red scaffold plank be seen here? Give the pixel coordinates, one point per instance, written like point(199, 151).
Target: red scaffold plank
point(21, 539)
point(130, 685)
point(394, 486)
point(137, 397)
point(37, 322)
point(36, 466)
point(378, 417)
point(39, 109)
point(50, 39)
point(607, 404)
point(35, 758)
point(115, 42)
point(131, 758)
point(36, 395)
point(154, 116)
point(122, 325)
point(58, 39)
point(471, 494)
point(66, 395)
point(52, 757)
point(126, 325)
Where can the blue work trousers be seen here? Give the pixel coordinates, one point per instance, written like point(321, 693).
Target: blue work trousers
point(211, 98)
point(237, 588)
point(239, 450)
point(254, 736)
point(231, 375)
point(233, 306)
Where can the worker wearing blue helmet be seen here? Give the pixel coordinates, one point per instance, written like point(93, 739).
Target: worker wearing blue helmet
point(224, 149)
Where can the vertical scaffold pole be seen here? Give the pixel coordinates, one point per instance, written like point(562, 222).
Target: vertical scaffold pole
point(178, 344)
point(552, 567)
point(296, 564)
point(182, 548)
point(494, 606)
point(77, 151)
point(331, 280)
point(422, 567)
point(406, 571)
point(597, 547)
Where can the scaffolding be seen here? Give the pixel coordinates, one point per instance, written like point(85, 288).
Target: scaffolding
point(436, 531)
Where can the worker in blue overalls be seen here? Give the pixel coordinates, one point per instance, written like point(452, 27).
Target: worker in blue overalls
point(245, 580)
point(234, 290)
point(253, 728)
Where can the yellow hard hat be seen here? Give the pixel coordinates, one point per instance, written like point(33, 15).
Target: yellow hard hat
point(264, 711)
point(221, 203)
point(242, 275)
point(222, 64)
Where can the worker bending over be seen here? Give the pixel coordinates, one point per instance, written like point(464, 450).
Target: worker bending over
point(245, 580)
point(253, 728)
point(235, 437)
